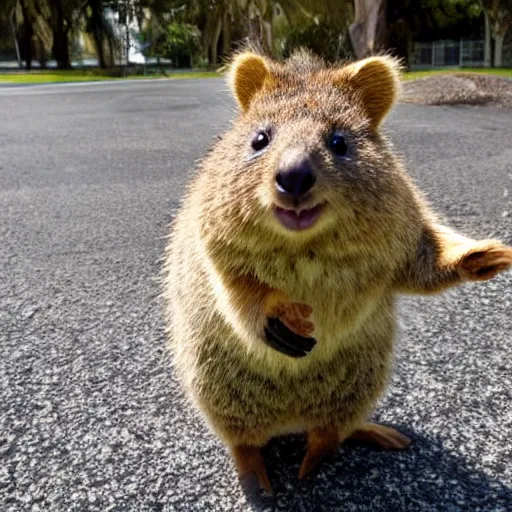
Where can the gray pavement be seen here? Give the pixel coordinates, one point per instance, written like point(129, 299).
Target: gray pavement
point(90, 415)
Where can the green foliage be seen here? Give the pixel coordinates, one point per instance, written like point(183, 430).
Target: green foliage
point(209, 30)
point(436, 19)
point(323, 39)
point(179, 42)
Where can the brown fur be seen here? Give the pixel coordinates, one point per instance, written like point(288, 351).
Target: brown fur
point(230, 263)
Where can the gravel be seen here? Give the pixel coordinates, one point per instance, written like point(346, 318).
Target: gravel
point(459, 89)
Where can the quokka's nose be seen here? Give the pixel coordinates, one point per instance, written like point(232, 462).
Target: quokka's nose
point(296, 177)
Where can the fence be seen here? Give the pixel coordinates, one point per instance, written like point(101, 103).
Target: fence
point(463, 53)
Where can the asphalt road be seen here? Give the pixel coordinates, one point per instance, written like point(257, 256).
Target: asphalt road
point(90, 415)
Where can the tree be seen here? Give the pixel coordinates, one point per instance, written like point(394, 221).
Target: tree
point(367, 32)
point(28, 17)
point(101, 30)
point(180, 44)
point(224, 21)
point(47, 23)
point(274, 24)
point(218, 18)
point(64, 14)
point(394, 24)
point(151, 16)
point(29, 23)
point(320, 37)
point(498, 15)
point(215, 19)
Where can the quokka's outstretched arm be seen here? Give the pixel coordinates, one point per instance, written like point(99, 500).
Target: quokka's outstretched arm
point(445, 258)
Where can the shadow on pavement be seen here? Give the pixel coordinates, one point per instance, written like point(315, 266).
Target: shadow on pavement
point(427, 477)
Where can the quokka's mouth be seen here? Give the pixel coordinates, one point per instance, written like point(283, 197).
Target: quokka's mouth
point(298, 220)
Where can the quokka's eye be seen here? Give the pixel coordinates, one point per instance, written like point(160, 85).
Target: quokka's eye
point(338, 144)
point(260, 141)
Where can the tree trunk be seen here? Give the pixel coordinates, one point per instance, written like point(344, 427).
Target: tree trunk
point(267, 36)
point(41, 54)
point(267, 29)
point(27, 39)
point(61, 48)
point(399, 41)
point(226, 35)
point(498, 50)
point(254, 30)
point(368, 31)
point(100, 49)
point(15, 38)
point(126, 43)
point(60, 38)
point(97, 33)
point(112, 53)
point(215, 41)
point(211, 36)
point(28, 33)
point(487, 43)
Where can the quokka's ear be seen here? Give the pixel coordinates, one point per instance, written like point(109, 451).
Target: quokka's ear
point(376, 80)
point(248, 74)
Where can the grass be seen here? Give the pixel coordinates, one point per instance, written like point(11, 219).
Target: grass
point(412, 75)
point(93, 75)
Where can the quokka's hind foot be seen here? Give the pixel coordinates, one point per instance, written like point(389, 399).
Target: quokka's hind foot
point(322, 443)
point(251, 468)
point(384, 437)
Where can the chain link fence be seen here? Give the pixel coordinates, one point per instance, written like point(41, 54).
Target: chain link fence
point(463, 53)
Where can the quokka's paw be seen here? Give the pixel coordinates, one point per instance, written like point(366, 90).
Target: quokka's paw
point(279, 337)
point(288, 329)
point(485, 261)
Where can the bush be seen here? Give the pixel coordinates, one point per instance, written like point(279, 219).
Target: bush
point(180, 42)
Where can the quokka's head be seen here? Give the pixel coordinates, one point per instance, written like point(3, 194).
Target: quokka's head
point(305, 156)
